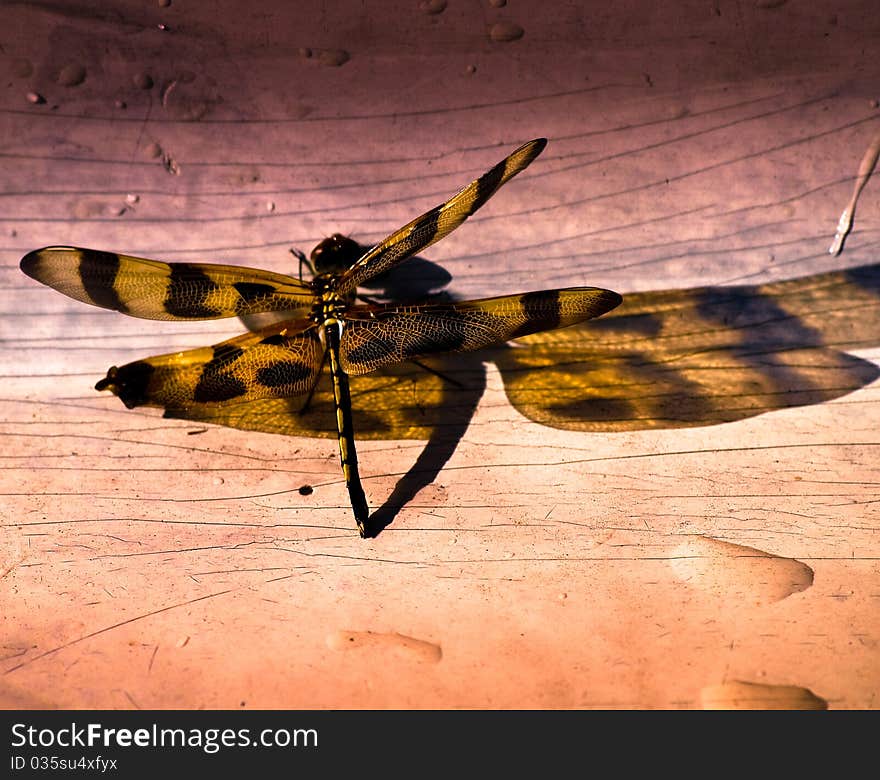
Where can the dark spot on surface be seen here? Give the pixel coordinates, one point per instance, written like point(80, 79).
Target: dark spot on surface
point(306, 490)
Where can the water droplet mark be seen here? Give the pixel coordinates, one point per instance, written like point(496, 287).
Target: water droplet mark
point(406, 646)
point(504, 32)
point(142, 80)
point(71, 75)
point(738, 695)
point(433, 6)
point(22, 68)
point(333, 58)
point(737, 572)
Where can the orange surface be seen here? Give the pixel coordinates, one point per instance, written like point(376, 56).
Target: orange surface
point(160, 563)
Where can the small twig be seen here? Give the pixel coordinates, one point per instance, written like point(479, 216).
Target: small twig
point(845, 223)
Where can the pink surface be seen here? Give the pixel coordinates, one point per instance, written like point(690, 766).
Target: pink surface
point(160, 563)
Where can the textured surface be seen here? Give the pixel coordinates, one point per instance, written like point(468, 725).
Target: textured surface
point(149, 562)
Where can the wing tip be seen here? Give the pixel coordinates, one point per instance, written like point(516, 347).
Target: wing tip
point(533, 148)
point(30, 264)
point(612, 299)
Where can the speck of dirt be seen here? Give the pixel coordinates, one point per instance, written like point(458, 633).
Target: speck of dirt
point(333, 58)
point(170, 164)
point(270, 206)
point(143, 80)
point(471, 69)
point(770, 3)
point(163, 3)
point(22, 68)
point(131, 198)
point(433, 6)
point(35, 97)
point(503, 32)
point(306, 490)
point(498, 3)
point(305, 52)
point(874, 103)
point(120, 104)
point(71, 75)
point(153, 150)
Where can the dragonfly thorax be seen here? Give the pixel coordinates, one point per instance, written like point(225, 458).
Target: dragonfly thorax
point(330, 305)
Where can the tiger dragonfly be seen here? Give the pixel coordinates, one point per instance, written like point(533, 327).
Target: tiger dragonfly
point(323, 324)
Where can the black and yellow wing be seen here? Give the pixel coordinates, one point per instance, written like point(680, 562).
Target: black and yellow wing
point(164, 291)
point(376, 336)
point(282, 361)
point(440, 221)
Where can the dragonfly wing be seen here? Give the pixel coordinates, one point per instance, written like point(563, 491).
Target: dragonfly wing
point(163, 291)
point(283, 361)
point(380, 336)
point(439, 221)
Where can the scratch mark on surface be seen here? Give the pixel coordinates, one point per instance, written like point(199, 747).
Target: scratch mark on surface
point(104, 630)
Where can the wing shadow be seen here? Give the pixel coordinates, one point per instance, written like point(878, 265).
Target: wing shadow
point(664, 359)
point(701, 356)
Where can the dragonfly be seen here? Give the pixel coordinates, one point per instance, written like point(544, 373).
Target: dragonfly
point(323, 322)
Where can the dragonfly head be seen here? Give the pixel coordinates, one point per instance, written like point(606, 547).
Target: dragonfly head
point(335, 254)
